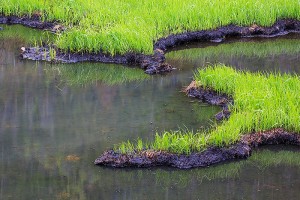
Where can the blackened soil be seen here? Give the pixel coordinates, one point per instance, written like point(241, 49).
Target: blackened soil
point(152, 64)
point(211, 97)
point(280, 27)
point(213, 155)
point(33, 22)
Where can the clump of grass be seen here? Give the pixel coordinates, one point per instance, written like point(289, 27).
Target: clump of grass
point(52, 53)
point(182, 141)
point(261, 102)
point(117, 27)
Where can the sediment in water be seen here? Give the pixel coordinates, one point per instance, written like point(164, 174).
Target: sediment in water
point(152, 64)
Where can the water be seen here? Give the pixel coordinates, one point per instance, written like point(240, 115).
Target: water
point(51, 131)
point(279, 54)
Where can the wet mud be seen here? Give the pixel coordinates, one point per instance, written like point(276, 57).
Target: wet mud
point(211, 97)
point(212, 155)
point(152, 64)
point(240, 150)
point(33, 22)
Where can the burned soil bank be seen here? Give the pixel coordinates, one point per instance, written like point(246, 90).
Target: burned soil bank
point(212, 155)
point(152, 64)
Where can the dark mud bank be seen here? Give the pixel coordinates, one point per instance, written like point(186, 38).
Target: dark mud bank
point(155, 63)
point(242, 149)
point(211, 97)
point(33, 22)
point(212, 155)
point(152, 64)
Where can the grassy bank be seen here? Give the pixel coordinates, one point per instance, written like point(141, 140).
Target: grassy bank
point(117, 27)
point(261, 102)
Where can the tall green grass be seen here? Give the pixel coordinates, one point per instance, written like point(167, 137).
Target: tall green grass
point(117, 27)
point(261, 102)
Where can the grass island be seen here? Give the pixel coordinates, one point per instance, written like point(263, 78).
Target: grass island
point(263, 109)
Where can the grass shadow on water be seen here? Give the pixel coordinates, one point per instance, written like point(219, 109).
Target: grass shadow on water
point(88, 73)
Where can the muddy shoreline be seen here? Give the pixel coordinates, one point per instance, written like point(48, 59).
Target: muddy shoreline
point(152, 64)
point(213, 155)
point(211, 97)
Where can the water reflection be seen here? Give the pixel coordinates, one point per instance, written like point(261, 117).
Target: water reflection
point(255, 54)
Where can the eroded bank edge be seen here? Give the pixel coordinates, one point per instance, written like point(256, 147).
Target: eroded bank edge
point(152, 64)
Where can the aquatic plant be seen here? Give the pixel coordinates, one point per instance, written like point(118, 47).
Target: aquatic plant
point(117, 27)
point(261, 102)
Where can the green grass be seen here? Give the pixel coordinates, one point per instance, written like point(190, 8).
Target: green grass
point(261, 102)
point(88, 73)
point(117, 27)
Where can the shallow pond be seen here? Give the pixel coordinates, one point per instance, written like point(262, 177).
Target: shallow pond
point(56, 119)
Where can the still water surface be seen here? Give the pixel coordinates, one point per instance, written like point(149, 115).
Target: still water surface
point(51, 131)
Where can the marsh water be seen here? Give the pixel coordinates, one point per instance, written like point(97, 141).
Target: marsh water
point(56, 119)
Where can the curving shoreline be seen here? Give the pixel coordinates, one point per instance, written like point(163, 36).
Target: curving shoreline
point(213, 155)
point(152, 64)
point(156, 64)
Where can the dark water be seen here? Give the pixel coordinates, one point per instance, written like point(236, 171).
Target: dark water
point(51, 132)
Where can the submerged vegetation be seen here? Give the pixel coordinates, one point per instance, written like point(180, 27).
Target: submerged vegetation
point(261, 102)
point(118, 27)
